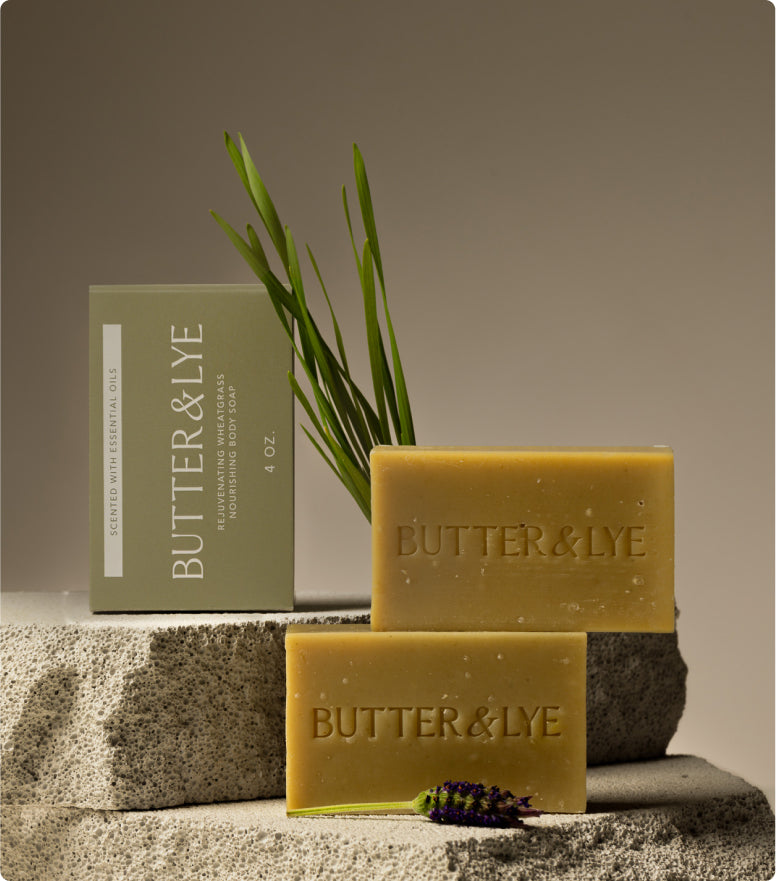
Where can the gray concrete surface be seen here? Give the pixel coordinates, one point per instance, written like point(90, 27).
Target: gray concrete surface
point(147, 711)
point(673, 819)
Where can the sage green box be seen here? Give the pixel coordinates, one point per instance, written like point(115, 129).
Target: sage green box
point(191, 450)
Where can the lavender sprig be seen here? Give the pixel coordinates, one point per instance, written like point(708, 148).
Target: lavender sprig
point(473, 804)
point(459, 803)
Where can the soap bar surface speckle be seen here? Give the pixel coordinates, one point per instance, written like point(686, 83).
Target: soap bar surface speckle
point(551, 538)
point(376, 717)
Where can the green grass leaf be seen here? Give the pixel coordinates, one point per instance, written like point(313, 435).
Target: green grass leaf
point(373, 340)
point(239, 164)
point(257, 247)
point(407, 431)
point(251, 257)
point(346, 422)
point(264, 204)
point(367, 211)
point(356, 413)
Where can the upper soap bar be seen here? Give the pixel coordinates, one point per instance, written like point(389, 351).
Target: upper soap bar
point(547, 538)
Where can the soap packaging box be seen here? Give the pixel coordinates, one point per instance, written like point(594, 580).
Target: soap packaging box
point(527, 539)
point(191, 450)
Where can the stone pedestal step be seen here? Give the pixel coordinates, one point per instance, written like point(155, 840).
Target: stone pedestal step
point(673, 819)
point(147, 711)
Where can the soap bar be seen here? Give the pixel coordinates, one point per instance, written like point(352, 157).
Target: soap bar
point(376, 717)
point(577, 539)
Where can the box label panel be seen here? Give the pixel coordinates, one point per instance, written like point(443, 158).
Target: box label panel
point(113, 520)
point(191, 450)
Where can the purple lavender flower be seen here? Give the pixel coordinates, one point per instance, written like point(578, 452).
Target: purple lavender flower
point(472, 804)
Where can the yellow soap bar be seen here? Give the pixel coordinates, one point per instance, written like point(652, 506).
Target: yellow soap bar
point(376, 717)
point(489, 538)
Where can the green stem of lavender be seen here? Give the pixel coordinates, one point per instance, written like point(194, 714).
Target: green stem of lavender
point(352, 809)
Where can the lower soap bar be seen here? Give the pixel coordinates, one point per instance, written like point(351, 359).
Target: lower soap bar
point(380, 716)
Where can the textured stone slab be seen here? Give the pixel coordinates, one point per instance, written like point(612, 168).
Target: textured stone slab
point(142, 711)
point(674, 819)
point(636, 691)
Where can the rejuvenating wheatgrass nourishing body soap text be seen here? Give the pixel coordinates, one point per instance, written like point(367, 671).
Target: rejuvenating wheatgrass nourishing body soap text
point(191, 450)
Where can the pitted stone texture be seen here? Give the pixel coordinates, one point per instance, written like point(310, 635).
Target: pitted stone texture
point(636, 691)
point(142, 711)
point(674, 819)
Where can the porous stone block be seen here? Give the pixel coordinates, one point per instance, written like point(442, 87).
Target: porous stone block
point(144, 711)
point(673, 819)
point(636, 691)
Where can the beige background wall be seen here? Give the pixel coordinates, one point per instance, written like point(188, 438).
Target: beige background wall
point(575, 203)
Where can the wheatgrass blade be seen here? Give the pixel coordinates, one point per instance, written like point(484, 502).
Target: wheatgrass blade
point(383, 436)
point(308, 407)
point(357, 474)
point(337, 393)
point(307, 333)
point(407, 432)
point(355, 412)
point(239, 242)
point(367, 211)
point(350, 229)
point(281, 300)
point(354, 477)
point(318, 357)
point(264, 204)
point(257, 247)
point(327, 412)
point(239, 164)
point(335, 324)
point(347, 422)
point(369, 413)
point(355, 489)
point(390, 394)
point(361, 481)
point(400, 410)
point(373, 338)
point(363, 503)
point(376, 426)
